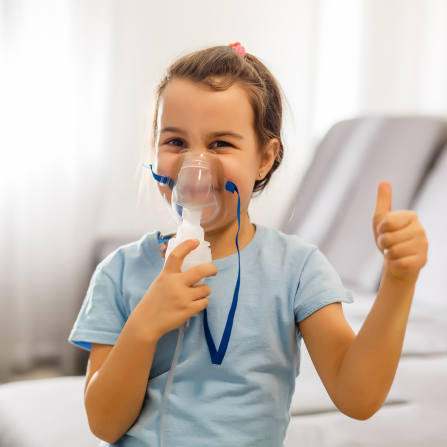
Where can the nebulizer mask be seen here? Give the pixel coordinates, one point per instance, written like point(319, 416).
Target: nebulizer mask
point(195, 197)
point(195, 192)
point(196, 185)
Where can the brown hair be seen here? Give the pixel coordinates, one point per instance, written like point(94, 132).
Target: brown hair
point(221, 67)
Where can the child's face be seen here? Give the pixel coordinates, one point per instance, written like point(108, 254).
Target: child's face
point(194, 116)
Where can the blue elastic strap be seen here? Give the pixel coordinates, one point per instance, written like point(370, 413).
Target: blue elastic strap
point(218, 356)
point(165, 180)
point(161, 178)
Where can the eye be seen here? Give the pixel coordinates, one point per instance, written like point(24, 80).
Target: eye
point(219, 144)
point(176, 140)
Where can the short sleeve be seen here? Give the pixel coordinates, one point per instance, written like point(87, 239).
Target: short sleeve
point(319, 285)
point(102, 315)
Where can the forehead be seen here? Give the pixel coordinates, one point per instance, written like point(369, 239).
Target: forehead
point(189, 105)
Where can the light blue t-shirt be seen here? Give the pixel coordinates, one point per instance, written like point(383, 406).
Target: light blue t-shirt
point(244, 401)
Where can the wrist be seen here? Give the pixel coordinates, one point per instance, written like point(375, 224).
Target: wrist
point(151, 337)
point(408, 281)
point(142, 332)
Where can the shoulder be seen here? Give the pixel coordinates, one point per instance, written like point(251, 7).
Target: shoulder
point(141, 253)
point(282, 254)
point(288, 245)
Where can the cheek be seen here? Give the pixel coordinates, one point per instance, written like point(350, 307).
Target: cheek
point(165, 163)
point(241, 175)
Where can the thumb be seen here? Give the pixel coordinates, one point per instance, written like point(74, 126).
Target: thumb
point(175, 260)
point(383, 203)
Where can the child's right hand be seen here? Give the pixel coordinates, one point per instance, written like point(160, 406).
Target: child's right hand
point(172, 298)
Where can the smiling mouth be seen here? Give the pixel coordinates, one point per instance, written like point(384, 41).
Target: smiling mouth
point(198, 191)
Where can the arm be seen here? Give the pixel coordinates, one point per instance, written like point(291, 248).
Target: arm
point(117, 376)
point(358, 371)
point(116, 383)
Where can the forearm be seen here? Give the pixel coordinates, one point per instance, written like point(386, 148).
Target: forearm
point(368, 368)
point(115, 393)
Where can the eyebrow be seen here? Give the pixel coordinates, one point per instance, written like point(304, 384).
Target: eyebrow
point(222, 133)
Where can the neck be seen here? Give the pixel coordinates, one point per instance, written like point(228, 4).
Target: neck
point(222, 241)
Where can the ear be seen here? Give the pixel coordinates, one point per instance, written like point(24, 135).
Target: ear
point(268, 156)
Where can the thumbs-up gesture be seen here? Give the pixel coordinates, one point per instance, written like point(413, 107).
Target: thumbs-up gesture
point(399, 236)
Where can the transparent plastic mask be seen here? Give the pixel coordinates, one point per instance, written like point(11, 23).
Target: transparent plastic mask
point(199, 184)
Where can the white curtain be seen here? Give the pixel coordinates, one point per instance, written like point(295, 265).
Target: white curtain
point(76, 77)
point(54, 85)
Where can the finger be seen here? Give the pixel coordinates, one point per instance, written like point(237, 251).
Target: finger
point(175, 260)
point(387, 240)
point(383, 202)
point(195, 274)
point(199, 305)
point(198, 292)
point(396, 221)
point(402, 250)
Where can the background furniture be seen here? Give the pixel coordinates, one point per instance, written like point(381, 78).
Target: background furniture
point(45, 413)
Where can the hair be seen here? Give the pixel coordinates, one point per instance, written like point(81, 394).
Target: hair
point(221, 67)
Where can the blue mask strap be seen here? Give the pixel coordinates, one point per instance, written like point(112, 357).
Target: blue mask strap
point(163, 181)
point(218, 356)
point(161, 178)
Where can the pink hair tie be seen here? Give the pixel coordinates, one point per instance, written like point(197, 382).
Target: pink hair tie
point(238, 47)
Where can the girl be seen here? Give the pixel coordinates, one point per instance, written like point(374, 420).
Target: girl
point(225, 100)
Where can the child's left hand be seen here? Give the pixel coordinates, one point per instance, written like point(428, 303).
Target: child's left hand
point(399, 236)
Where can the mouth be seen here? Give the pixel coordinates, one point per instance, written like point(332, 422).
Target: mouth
point(193, 191)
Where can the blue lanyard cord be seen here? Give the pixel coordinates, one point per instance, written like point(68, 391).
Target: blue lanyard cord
point(218, 356)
